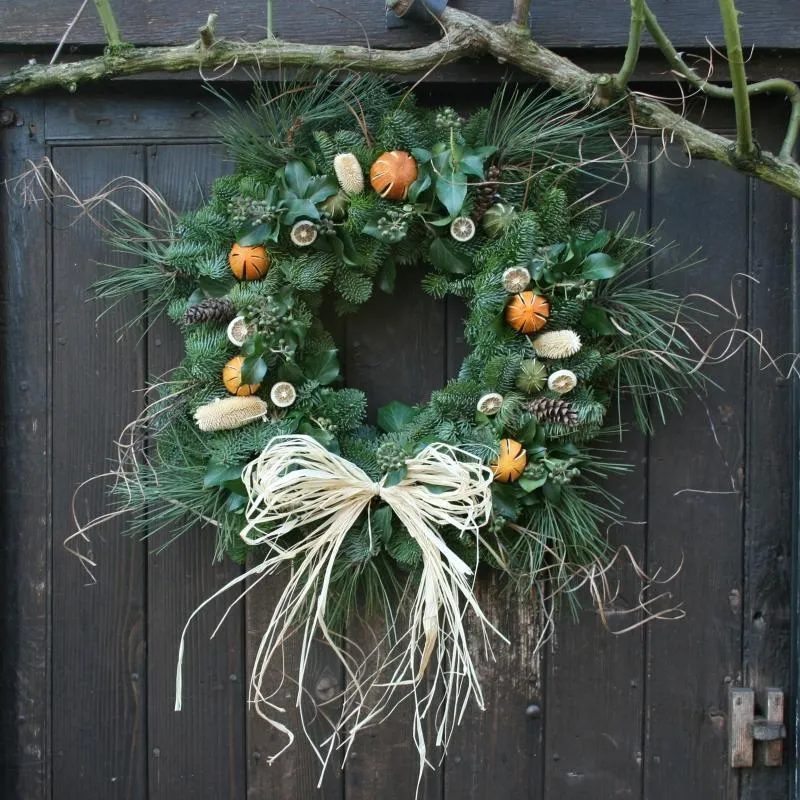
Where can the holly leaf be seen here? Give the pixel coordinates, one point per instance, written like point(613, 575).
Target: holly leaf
point(600, 267)
point(596, 319)
point(254, 369)
point(447, 260)
point(392, 417)
point(451, 189)
point(322, 367)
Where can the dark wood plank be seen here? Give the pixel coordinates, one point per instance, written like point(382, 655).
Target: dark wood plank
point(695, 507)
point(98, 639)
point(198, 752)
point(498, 752)
point(769, 467)
point(593, 708)
point(568, 24)
point(24, 496)
point(395, 350)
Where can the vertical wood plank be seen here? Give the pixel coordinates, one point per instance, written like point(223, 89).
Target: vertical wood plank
point(593, 708)
point(395, 350)
point(25, 298)
point(198, 752)
point(695, 506)
point(770, 456)
point(98, 640)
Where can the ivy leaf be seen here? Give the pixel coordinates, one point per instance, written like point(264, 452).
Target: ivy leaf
point(258, 234)
point(254, 369)
point(422, 183)
point(395, 476)
point(392, 417)
point(451, 189)
point(325, 438)
point(299, 208)
point(322, 367)
point(598, 241)
point(596, 319)
point(531, 484)
point(421, 155)
point(600, 267)
point(472, 165)
point(445, 259)
point(504, 500)
point(371, 229)
point(218, 474)
point(236, 502)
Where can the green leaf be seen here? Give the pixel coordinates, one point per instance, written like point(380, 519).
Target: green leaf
point(552, 492)
point(451, 189)
point(395, 476)
point(531, 484)
point(504, 500)
point(422, 182)
point(325, 438)
point(213, 287)
point(598, 241)
point(444, 258)
point(472, 165)
point(254, 369)
point(596, 319)
point(236, 502)
point(258, 234)
point(322, 367)
point(321, 188)
point(381, 522)
point(527, 432)
point(218, 474)
point(392, 417)
point(296, 177)
point(421, 155)
point(300, 209)
point(600, 267)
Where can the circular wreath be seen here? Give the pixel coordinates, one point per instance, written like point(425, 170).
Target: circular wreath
point(338, 186)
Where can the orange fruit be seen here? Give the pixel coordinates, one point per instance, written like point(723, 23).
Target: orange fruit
point(392, 174)
point(527, 312)
point(248, 263)
point(232, 378)
point(511, 461)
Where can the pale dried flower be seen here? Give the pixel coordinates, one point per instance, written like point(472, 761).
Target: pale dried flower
point(557, 344)
point(349, 173)
point(232, 412)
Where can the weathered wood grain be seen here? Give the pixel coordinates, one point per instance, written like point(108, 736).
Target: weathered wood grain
point(199, 751)
point(594, 686)
point(695, 505)
point(769, 469)
point(569, 24)
point(25, 319)
point(98, 635)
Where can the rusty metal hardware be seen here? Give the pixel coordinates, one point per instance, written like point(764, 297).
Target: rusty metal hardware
point(745, 728)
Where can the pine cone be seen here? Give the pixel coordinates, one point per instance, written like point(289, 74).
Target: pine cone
point(546, 409)
point(484, 195)
point(214, 309)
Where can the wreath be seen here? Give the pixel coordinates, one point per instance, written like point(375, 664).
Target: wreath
point(339, 185)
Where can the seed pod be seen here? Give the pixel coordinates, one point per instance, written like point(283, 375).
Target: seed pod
point(557, 344)
point(349, 173)
point(232, 412)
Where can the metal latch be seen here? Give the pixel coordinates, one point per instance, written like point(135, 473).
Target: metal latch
point(745, 727)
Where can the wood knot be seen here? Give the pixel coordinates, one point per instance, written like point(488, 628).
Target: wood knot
point(326, 688)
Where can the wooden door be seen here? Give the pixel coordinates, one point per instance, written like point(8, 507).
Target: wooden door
point(86, 693)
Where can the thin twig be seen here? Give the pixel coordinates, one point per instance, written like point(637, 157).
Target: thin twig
point(634, 43)
point(741, 101)
point(68, 31)
point(521, 13)
point(208, 31)
point(109, 21)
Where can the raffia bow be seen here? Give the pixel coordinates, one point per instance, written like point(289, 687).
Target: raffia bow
point(297, 486)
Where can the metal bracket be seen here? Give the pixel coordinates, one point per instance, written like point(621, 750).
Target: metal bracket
point(405, 11)
point(744, 727)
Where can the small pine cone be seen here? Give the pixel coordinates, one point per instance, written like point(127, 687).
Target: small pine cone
point(484, 196)
point(546, 409)
point(214, 309)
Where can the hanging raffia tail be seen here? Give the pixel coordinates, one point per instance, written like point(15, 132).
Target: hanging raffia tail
point(297, 486)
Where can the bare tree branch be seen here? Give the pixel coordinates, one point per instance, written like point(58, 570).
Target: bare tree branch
point(521, 13)
point(634, 44)
point(465, 36)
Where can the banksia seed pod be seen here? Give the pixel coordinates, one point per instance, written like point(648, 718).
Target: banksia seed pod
point(303, 233)
point(232, 412)
point(349, 173)
point(557, 344)
point(462, 229)
point(214, 309)
point(546, 409)
point(532, 376)
point(283, 394)
point(490, 403)
point(562, 381)
point(484, 195)
point(516, 280)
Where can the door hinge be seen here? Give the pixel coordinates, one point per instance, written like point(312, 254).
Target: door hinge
point(745, 727)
